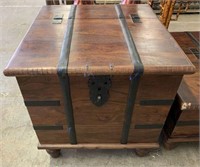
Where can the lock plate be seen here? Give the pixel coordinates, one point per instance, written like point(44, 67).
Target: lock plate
point(99, 89)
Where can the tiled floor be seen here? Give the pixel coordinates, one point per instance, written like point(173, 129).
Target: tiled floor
point(18, 142)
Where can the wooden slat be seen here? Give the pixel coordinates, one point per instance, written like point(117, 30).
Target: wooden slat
point(144, 135)
point(40, 87)
point(99, 146)
point(189, 115)
point(47, 115)
point(94, 49)
point(150, 114)
point(181, 131)
point(98, 134)
point(158, 87)
point(52, 136)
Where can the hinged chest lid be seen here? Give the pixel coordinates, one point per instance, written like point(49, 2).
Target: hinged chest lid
point(97, 40)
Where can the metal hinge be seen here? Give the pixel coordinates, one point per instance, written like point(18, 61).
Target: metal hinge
point(135, 18)
point(57, 19)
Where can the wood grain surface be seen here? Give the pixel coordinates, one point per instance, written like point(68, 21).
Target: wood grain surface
point(97, 43)
point(98, 47)
point(188, 91)
point(182, 123)
point(183, 131)
point(99, 146)
point(52, 137)
point(99, 124)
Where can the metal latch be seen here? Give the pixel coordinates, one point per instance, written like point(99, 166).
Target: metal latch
point(135, 18)
point(99, 89)
point(57, 19)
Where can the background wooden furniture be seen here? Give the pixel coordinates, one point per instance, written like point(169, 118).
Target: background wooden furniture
point(80, 2)
point(183, 5)
point(182, 124)
point(97, 47)
point(168, 8)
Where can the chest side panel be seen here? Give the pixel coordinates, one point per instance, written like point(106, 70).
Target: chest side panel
point(43, 99)
point(154, 98)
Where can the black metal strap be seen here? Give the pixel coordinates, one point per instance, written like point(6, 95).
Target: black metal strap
point(188, 123)
point(35, 103)
point(48, 127)
point(150, 126)
point(64, 78)
point(156, 102)
point(135, 77)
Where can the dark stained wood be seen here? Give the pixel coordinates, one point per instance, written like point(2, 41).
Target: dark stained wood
point(187, 130)
point(99, 146)
point(98, 47)
point(52, 136)
point(40, 88)
point(163, 87)
point(142, 152)
point(183, 40)
point(189, 115)
point(110, 114)
point(98, 42)
point(98, 134)
point(99, 124)
point(143, 11)
point(150, 114)
point(45, 88)
point(182, 122)
point(196, 35)
point(170, 143)
point(150, 89)
point(39, 51)
point(109, 12)
point(189, 89)
point(91, 56)
point(47, 115)
point(53, 153)
point(144, 135)
point(95, 12)
point(157, 49)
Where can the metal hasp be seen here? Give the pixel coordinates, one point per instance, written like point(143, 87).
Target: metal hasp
point(57, 19)
point(99, 89)
point(135, 18)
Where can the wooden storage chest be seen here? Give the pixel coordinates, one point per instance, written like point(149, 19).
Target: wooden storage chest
point(98, 76)
point(182, 124)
